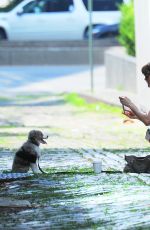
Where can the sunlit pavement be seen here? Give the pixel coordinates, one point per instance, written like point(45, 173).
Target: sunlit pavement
point(50, 79)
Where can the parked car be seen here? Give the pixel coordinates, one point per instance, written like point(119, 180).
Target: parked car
point(57, 19)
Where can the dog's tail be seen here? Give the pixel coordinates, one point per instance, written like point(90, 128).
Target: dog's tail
point(40, 167)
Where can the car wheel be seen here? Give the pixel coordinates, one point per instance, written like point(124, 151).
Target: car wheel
point(2, 34)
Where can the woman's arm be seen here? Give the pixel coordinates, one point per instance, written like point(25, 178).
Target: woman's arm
point(138, 114)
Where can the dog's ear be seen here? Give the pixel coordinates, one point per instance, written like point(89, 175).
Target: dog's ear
point(129, 159)
point(147, 135)
point(148, 131)
point(32, 134)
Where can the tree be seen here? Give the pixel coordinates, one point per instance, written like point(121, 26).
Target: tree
point(127, 29)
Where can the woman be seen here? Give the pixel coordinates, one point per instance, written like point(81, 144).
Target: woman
point(134, 112)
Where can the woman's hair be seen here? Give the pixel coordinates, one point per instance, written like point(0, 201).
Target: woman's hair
point(146, 70)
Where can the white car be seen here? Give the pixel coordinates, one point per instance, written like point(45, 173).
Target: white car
point(56, 19)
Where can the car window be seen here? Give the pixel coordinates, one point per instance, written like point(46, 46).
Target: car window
point(38, 6)
point(59, 5)
point(29, 8)
point(104, 5)
point(48, 6)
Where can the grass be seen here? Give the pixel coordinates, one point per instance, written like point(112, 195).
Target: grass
point(71, 170)
point(32, 96)
point(5, 99)
point(24, 97)
point(76, 100)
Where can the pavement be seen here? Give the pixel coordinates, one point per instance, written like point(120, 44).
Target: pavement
point(58, 79)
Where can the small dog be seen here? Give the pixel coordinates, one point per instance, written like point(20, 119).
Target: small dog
point(28, 154)
point(137, 164)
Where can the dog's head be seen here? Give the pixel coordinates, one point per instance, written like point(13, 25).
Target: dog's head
point(37, 137)
point(147, 136)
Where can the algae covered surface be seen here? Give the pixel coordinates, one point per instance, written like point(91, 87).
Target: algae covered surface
point(71, 195)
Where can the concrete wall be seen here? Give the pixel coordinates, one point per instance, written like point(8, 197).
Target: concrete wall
point(142, 32)
point(120, 70)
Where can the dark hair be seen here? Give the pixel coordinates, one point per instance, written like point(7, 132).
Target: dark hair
point(146, 70)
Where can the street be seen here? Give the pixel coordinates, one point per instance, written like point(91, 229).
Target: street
point(49, 78)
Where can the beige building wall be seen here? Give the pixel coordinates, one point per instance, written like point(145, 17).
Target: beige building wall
point(142, 32)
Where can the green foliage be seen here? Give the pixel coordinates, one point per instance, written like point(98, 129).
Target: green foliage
point(69, 170)
point(127, 31)
point(4, 99)
point(78, 101)
point(74, 99)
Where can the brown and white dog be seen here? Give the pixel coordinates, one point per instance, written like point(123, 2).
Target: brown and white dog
point(28, 154)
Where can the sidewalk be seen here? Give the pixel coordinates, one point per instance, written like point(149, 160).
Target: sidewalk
point(72, 80)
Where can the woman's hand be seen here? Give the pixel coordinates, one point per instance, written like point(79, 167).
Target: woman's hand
point(125, 101)
point(133, 111)
point(130, 114)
